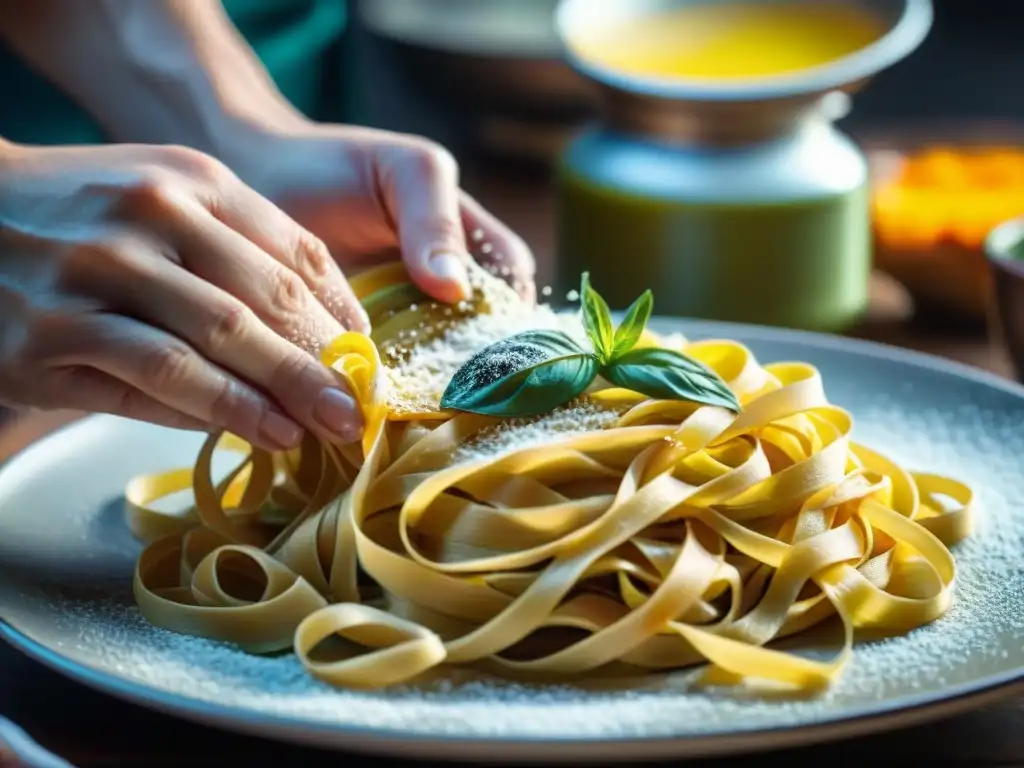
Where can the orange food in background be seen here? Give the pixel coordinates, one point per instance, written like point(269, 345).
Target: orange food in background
point(944, 196)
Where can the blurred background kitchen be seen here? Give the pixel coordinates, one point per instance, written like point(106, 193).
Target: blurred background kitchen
point(488, 79)
point(422, 65)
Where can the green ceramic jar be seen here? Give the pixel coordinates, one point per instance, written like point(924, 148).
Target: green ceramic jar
point(775, 233)
point(739, 203)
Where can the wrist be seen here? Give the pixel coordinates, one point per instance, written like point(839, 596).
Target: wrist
point(266, 112)
point(218, 109)
point(256, 143)
point(281, 154)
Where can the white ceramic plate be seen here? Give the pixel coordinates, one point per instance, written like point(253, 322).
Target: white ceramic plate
point(66, 560)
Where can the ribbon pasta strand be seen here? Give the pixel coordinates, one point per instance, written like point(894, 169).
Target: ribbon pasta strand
point(671, 535)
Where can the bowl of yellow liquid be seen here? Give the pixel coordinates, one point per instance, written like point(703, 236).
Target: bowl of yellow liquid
point(716, 170)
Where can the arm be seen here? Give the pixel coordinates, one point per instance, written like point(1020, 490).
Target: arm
point(158, 71)
point(178, 72)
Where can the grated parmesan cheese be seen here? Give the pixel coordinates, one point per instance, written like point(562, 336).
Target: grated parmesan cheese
point(514, 434)
point(420, 368)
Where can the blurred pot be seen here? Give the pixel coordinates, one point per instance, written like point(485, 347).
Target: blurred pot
point(1005, 250)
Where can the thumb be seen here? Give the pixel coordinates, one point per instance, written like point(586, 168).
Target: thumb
point(421, 191)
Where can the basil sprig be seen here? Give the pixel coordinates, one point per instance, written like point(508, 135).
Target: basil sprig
point(537, 371)
point(524, 375)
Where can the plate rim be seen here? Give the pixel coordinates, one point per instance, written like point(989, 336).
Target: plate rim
point(877, 717)
point(884, 717)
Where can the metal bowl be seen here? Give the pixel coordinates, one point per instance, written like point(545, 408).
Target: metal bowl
point(906, 24)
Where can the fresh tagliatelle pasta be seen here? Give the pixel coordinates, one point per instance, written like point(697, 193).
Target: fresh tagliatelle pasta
point(614, 532)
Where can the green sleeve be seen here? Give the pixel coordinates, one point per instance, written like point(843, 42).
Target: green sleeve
point(291, 37)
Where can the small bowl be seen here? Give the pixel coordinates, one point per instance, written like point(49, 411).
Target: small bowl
point(948, 280)
point(1004, 248)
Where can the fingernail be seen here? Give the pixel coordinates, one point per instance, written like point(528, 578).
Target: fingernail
point(337, 413)
point(449, 267)
point(280, 430)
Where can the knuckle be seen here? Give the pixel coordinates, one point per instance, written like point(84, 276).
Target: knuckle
point(195, 164)
point(107, 256)
point(289, 295)
point(227, 327)
point(155, 190)
point(155, 194)
point(231, 406)
point(433, 158)
point(178, 155)
point(115, 252)
point(165, 367)
point(312, 257)
point(126, 401)
point(298, 378)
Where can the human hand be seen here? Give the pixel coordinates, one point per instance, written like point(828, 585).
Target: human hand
point(376, 195)
point(150, 282)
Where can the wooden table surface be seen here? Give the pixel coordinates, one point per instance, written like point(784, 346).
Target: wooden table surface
point(91, 729)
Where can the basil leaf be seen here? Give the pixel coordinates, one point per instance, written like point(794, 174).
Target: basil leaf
point(525, 375)
point(597, 319)
point(632, 327)
point(668, 375)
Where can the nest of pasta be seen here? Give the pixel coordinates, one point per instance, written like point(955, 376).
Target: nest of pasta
point(615, 532)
